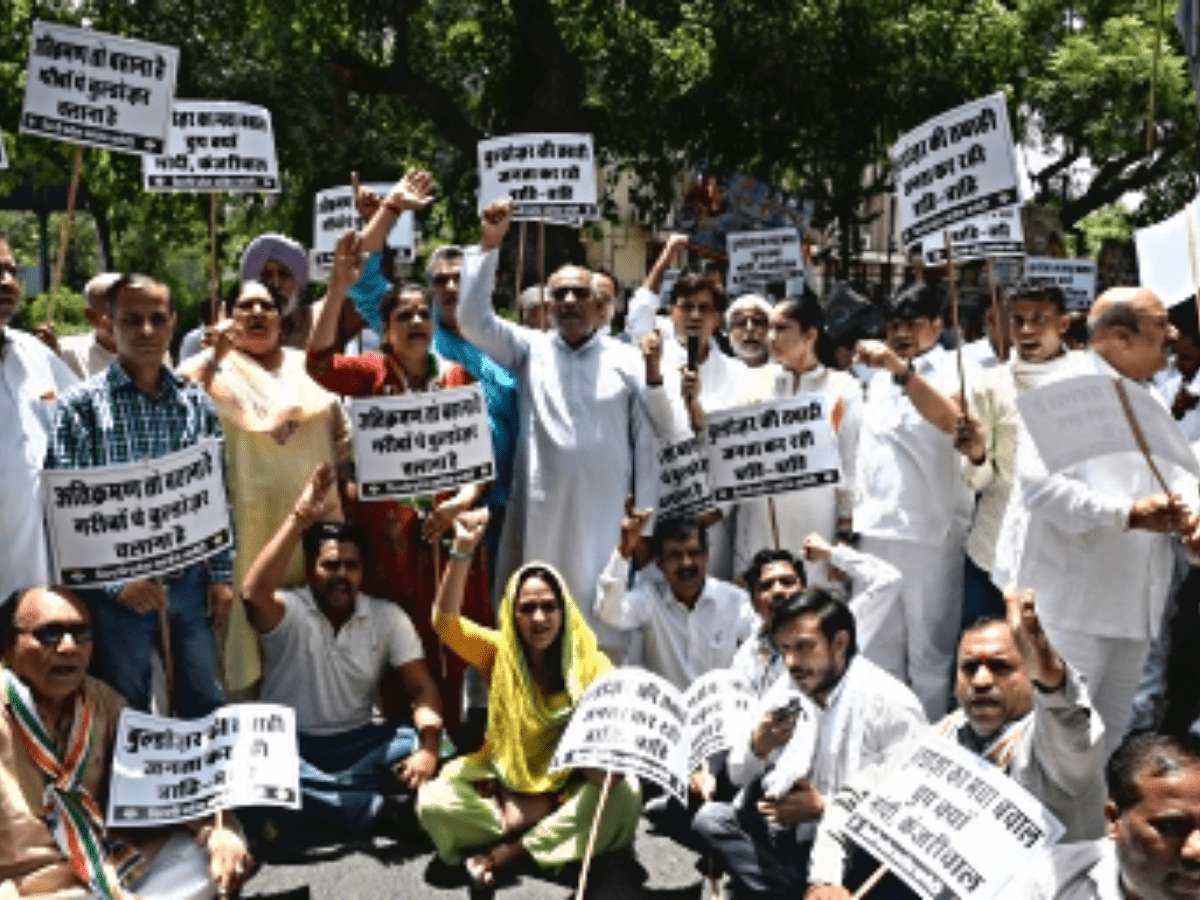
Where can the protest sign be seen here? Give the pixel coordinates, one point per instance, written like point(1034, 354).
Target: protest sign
point(1081, 418)
point(171, 770)
point(756, 257)
point(551, 177)
point(950, 824)
point(682, 476)
point(334, 214)
point(139, 520)
point(1075, 277)
point(997, 233)
point(415, 444)
point(1168, 258)
point(771, 448)
point(3, 154)
point(955, 166)
point(717, 203)
point(215, 146)
point(88, 87)
point(636, 722)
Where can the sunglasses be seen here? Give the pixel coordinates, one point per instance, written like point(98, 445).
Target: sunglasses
point(444, 278)
point(51, 634)
point(562, 293)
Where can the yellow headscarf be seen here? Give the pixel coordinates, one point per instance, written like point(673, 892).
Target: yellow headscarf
point(523, 730)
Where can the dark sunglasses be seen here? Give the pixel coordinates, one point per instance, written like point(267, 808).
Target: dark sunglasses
point(444, 278)
point(51, 634)
point(561, 293)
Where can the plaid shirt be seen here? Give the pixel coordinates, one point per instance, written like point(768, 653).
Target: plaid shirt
point(108, 420)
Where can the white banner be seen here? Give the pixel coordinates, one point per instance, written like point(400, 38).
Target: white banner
point(771, 448)
point(549, 176)
point(174, 770)
point(955, 166)
point(757, 257)
point(1080, 418)
point(997, 233)
point(334, 214)
point(141, 520)
point(951, 824)
point(216, 146)
point(414, 444)
point(88, 87)
point(682, 476)
point(1168, 256)
point(1075, 277)
point(636, 722)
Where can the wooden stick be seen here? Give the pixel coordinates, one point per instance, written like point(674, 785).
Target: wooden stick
point(1138, 436)
point(1001, 328)
point(541, 267)
point(876, 877)
point(164, 633)
point(958, 343)
point(64, 234)
point(520, 262)
point(214, 283)
point(774, 522)
point(437, 579)
point(1154, 81)
point(591, 844)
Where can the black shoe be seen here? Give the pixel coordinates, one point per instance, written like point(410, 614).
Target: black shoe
point(397, 819)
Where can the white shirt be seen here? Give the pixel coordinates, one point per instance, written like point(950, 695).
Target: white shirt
point(84, 355)
point(31, 380)
point(721, 387)
point(680, 644)
point(331, 678)
point(1084, 871)
point(908, 486)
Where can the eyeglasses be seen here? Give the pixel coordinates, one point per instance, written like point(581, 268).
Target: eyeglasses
point(51, 634)
point(687, 308)
point(444, 278)
point(560, 294)
point(531, 609)
point(257, 303)
point(748, 322)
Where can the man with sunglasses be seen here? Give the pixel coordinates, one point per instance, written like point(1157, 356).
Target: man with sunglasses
point(137, 410)
point(57, 728)
point(31, 377)
point(585, 440)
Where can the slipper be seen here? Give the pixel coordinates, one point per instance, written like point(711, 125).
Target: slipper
point(480, 868)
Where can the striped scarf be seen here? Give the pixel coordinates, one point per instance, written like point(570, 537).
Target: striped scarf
point(1002, 747)
point(71, 812)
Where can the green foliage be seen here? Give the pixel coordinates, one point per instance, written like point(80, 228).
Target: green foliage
point(69, 309)
point(1110, 222)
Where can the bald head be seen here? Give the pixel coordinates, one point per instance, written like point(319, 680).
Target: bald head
point(1129, 328)
point(577, 313)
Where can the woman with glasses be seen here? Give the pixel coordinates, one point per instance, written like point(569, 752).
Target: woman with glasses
point(279, 425)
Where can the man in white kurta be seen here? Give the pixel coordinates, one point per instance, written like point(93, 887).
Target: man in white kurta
point(585, 441)
point(31, 378)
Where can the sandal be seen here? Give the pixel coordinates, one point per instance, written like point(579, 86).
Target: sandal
point(481, 869)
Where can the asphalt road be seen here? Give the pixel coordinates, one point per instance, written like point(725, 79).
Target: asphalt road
point(656, 869)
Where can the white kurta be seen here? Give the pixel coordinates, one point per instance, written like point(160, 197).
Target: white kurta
point(585, 443)
point(31, 378)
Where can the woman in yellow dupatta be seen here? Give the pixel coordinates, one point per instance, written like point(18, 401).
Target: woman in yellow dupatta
point(503, 799)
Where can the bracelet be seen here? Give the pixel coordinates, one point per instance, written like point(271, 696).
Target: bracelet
point(455, 553)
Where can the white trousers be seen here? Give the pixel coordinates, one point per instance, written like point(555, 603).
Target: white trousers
point(919, 648)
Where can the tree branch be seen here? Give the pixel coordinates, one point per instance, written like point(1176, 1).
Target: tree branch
point(1113, 180)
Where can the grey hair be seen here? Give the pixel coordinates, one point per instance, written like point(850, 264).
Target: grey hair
point(1111, 315)
point(446, 252)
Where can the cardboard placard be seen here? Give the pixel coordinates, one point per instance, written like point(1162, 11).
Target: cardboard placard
point(758, 257)
point(88, 87)
point(551, 177)
point(682, 476)
point(997, 233)
point(334, 214)
point(1168, 258)
point(1075, 277)
point(215, 146)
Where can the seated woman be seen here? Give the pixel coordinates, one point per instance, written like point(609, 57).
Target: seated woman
point(538, 665)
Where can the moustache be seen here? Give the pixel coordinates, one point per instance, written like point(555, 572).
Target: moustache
point(689, 573)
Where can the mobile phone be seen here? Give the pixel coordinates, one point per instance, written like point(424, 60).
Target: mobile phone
point(791, 708)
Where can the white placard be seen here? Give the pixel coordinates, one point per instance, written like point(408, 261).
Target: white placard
point(334, 214)
point(3, 154)
point(1168, 258)
point(955, 166)
point(551, 177)
point(757, 257)
point(215, 146)
point(173, 770)
point(139, 520)
point(1075, 277)
point(682, 476)
point(771, 448)
point(636, 722)
point(421, 443)
point(88, 87)
point(997, 233)
point(1081, 418)
point(951, 824)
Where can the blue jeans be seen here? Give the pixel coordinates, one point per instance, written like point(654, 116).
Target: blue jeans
point(344, 776)
point(126, 639)
point(981, 598)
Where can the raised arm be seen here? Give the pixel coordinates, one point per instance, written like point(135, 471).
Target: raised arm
point(503, 341)
point(936, 408)
point(264, 608)
point(347, 269)
point(654, 278)
point(412, 192)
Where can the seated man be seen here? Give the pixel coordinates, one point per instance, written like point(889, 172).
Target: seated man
point(1151, 844)
point(1022, 707)
point(862, 715)
point(57, 728)
point(325, 648)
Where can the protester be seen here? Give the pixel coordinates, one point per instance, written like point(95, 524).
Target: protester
point(324, 648)
point(32, 378)
point(405, 536)
point(604, 286)
point(533, 307)
point(763, 838)
point(1179, 384)
point(585, 435)
point(57, 737)
point(93, 351)
point(798, 343)
point(504, 800)
point(282, 263)
point(1151, 844)
point(912, 507)
point(138, 410)
point(640, 320)
point(746, 322)
point(266, 462)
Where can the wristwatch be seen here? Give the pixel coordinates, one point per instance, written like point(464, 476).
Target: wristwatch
point(903, 378)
